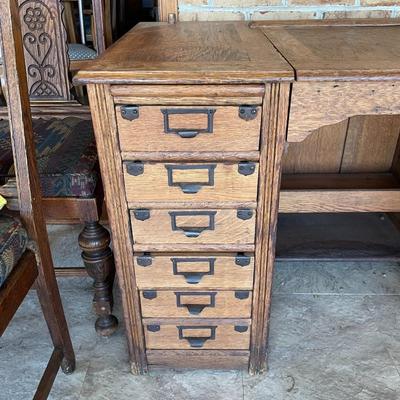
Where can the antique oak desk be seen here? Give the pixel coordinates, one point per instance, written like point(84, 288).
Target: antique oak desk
point(191, 127)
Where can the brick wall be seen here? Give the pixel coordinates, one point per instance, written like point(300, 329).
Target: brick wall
point(217, 10)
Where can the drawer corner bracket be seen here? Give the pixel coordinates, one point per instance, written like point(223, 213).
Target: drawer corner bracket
point(153, 328)
point(141, 214)
point(242, 260)
point(244, 213)
point(242, 294)
point(135, 168)
point(248, 112)
point(144, 260)
point(241, 328)
point(130, 112)
point(246, 168)
point(149, 294)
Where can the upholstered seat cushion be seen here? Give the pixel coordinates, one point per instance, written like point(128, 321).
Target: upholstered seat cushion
point(66, 155)
point(77, 51)
point(13, 240)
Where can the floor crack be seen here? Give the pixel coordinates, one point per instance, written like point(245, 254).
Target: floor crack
point(393, 360)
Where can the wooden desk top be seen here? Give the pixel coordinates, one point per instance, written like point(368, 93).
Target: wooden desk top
point(188, 52)
point(329, 50)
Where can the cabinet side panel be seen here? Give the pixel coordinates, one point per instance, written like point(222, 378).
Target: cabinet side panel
point(273, 134)
point(102, 108)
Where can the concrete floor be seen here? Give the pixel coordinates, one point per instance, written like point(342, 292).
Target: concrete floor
point(335, 334)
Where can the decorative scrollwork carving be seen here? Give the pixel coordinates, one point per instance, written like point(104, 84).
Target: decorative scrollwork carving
point(39, 44)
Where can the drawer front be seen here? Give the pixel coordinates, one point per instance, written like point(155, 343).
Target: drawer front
point(174, 128)
point(229, 336)
point(212, 271)
point(158, 182)
point(197, 359)
point(226, 226)
point(195, 304)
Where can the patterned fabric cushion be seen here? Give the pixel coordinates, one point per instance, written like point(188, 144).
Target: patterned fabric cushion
point(13, 240)
point(66, 155)
point(78, 51)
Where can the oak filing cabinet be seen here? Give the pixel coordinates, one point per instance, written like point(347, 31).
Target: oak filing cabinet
point(189, 119)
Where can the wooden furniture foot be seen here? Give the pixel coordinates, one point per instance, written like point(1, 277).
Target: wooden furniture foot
point(68, 365)
point(98, 258)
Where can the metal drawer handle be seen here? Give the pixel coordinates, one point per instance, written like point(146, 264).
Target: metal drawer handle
point(188, 133)
point(190, 231)
point(190, 187)
point(195, 309)
point(192, 277)
point(196, 341)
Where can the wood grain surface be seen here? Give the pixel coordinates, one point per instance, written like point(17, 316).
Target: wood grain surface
point(188, 94)
point(197, 359)
point(224, 274)
point(227, 52)
point(273, 131)
point(315, 104)
point(371, 143)
point(339, 52)
point(228, 229)
point(215, 182)
point(226, 337)
point(177, 304)
point(321, 151)
point(356, 200)
point(147, 133)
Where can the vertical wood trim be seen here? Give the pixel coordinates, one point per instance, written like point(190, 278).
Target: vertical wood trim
point(273, 134)
point(98, 24)
point(166, 7)
point(102, 108)
point(107, 20)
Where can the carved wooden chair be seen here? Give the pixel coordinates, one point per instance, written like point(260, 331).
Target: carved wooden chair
point(65, 149)
point(25, 257)
point(79, 53)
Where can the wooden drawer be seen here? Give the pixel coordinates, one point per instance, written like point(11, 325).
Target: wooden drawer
point(193, 226)
point(210, 271)
point(196, 359)
point(197, 334)
point(195, 304)
point(203, 182)
point(187, 128)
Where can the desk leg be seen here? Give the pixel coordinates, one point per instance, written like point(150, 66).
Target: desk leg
point(275, 113)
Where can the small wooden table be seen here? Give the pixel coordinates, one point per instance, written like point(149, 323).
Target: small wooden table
point(191, 126)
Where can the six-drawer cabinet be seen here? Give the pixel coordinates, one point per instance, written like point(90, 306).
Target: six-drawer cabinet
point(191, 177)
point(191, 210)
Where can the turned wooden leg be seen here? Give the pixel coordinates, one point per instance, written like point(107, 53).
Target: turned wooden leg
point(94, 242)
